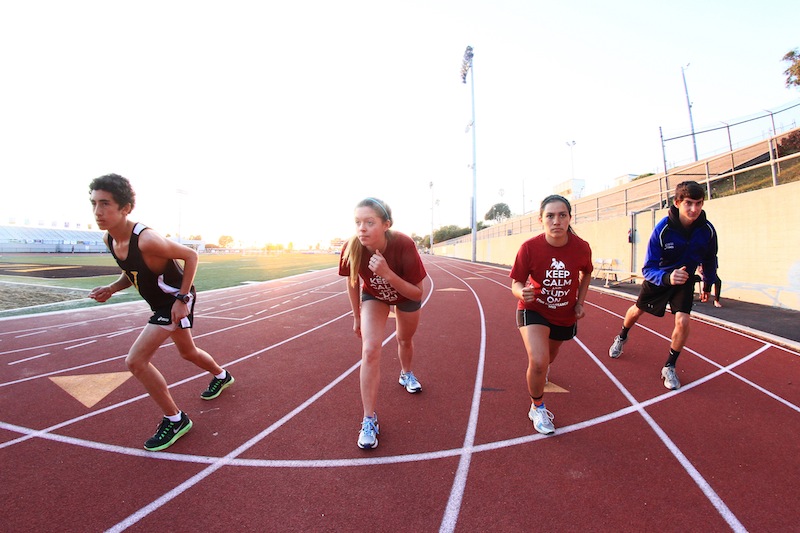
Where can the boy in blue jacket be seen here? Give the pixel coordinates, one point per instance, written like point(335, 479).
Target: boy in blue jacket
point(680, 243)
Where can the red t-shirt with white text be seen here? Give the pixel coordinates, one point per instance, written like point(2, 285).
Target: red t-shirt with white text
point(553, 273)
point(402, 257)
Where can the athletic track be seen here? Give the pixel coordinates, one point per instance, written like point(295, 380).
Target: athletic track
point(277, 450)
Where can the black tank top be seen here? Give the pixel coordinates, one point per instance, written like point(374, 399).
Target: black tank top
point(157, 290)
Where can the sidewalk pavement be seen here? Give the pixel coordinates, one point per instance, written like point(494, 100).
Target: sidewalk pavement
point(777, 325)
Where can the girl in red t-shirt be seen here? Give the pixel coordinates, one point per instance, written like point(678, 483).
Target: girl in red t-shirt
point(392, 274)
point(551, 276)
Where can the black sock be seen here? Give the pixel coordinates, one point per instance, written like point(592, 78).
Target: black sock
point(624, 333)
point(673, 358)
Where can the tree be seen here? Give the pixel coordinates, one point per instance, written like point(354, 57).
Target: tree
point(498, 212)
point(793, 72)
point(225, 240)
point(789, 144)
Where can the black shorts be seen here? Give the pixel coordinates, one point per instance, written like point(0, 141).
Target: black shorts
point(526, 317)
point(654, 298)
point(163, 317)
point(407, 306)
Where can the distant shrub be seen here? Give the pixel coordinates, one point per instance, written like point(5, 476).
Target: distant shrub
point(790, 144)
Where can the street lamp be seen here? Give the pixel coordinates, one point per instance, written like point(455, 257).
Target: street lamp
point(181, 194)
point(571, 145)
point(466, 67)
point(689, 105)
point(431, 239)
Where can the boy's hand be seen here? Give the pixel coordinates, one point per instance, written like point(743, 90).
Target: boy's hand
point(101, 294)
point(678, 277)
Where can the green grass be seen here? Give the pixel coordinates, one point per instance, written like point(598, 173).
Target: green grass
point(216, 271)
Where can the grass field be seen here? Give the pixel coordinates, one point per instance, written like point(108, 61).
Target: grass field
point(24, 294)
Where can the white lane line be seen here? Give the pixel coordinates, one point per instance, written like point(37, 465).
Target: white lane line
point(453, 508)
point(684, 461)
point(226, 460)
point(29, 358)
point(79, 345)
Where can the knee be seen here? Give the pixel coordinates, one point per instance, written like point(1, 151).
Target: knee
point(370, 352)
point(405, 343)
point(135, 364)
point(189, 355)
point(537, 366)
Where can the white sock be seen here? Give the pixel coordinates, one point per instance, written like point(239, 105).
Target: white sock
point(222, 375)
point(175, 418)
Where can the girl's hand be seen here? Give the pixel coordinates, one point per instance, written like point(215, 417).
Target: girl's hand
point(378, 264)
point(357, 327)
point(527, 294)
point(579, 312)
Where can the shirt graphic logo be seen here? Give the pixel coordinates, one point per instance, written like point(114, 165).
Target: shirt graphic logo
point(556, 285)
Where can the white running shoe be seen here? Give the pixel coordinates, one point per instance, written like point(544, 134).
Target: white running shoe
point(368, 436)
point(616, 348)
point(542, 420)
point(670, 378)
point(410, 382)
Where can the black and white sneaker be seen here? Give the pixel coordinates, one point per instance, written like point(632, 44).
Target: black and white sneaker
point(167, 433)
point(217, 386)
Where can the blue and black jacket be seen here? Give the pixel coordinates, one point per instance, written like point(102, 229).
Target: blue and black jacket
point(672, 246)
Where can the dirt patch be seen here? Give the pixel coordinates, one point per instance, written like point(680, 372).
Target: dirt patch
point(38, 270)
point(14, 296)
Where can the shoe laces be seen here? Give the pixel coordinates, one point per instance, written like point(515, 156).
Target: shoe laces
point(165, 426)
point(544, 412)
point(215, 384)
point(368, 426)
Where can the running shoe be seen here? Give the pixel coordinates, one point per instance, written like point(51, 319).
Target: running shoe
point(670, 378)
point(542, 420)
point(167, 433)
point(409, 381)
point(616, 348)
point(368, 436)
point(217, 386)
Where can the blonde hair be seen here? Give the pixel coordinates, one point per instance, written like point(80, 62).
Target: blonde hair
point(355, 250)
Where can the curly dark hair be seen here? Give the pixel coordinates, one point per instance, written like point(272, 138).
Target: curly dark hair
point(119, 187)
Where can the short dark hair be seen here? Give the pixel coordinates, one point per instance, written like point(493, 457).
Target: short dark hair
point(119, 187)
point(689, 189)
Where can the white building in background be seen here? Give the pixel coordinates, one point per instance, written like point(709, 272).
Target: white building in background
point(622, 180)
point(570, 189)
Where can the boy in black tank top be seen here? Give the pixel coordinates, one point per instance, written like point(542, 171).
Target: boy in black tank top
point(150, 263)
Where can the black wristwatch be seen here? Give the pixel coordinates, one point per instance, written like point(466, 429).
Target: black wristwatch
point(185, 298)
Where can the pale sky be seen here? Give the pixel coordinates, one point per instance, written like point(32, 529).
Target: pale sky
point(276, 118)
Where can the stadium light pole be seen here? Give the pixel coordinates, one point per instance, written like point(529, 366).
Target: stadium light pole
point(689, 105)
point(571, 145)
point(466, 67)
point(431, 239)
point(181, 195)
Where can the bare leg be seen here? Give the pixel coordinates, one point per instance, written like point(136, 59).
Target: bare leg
point(138, 362)
point(406, 328)
point(186, 347)
point(373, 324)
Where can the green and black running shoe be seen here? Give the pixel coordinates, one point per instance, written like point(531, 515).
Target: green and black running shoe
point(217, 386)
point(168, 432)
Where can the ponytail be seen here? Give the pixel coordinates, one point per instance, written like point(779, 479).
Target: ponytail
point(352, 257)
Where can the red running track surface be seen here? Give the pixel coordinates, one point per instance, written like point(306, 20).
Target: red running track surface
point(277, 450)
